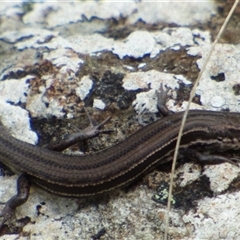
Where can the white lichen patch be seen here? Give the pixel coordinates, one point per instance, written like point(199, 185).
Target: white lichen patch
point(136, 45)
point(220, 176)
point(220, 213)
point(189, 173)
point(146, 101)
point(85, 86)
point(11, 9)
point(98, 103)
point(172, 38)
point(38, 105)
point(151, 79)
point(168, 11)
point(15, 90)
point(90, 44)
point(27, 33)
point(65, 59)
point(181, 13)
point(69, 12)
point(225, 61)
point(16, 120)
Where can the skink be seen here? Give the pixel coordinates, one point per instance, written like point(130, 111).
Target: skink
point(78, 176)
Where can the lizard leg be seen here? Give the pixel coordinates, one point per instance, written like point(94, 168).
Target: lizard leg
point(86, 133)
point(23, 186)
point(162, 96)
point(196, 156)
